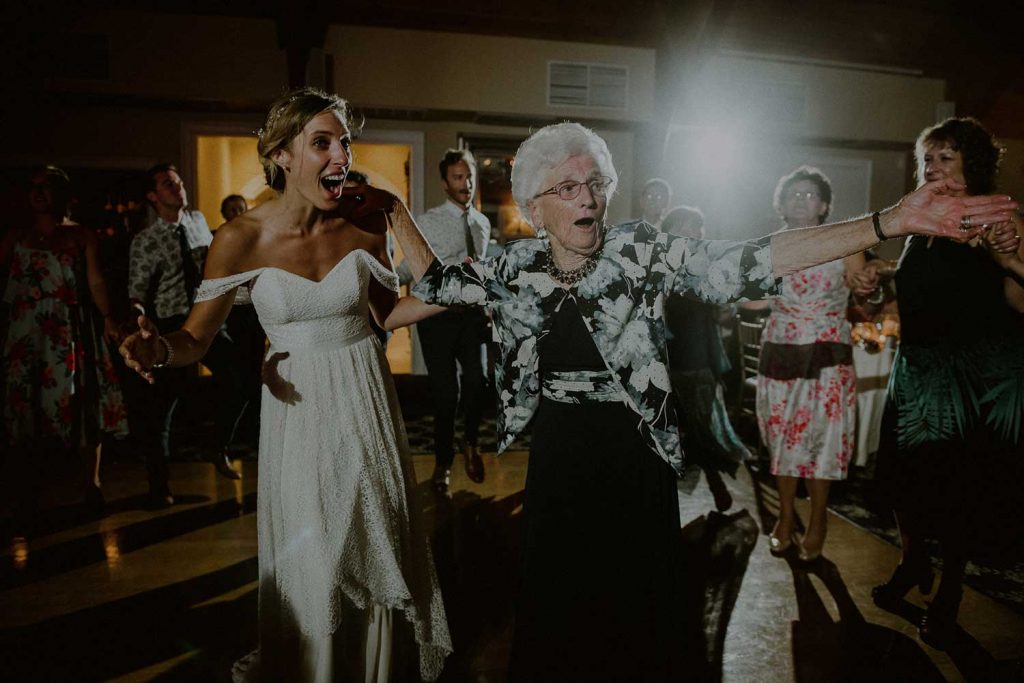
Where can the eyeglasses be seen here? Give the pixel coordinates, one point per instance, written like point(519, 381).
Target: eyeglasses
point(797, 195)
point(570, 189)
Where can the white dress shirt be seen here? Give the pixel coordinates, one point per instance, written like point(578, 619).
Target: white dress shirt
point(444, 229)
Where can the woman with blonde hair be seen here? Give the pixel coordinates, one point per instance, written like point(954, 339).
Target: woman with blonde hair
point(347, 583)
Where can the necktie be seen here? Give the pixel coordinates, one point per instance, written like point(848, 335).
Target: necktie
point(470, 244)
point(189, 269)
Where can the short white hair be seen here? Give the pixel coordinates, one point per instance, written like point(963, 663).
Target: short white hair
point(550, 147)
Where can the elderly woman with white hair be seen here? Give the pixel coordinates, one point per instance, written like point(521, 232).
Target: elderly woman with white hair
point(580, 320)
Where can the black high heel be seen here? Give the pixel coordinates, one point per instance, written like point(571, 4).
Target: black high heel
point(906, 576)
point(938, 626)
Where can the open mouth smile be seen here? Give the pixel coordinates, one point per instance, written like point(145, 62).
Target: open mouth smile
point(333, 184)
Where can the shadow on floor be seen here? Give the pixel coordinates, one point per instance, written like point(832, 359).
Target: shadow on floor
point(717, 548)
point(476, 543)
point(853, 649)
point(850, 649)
point(136, 632)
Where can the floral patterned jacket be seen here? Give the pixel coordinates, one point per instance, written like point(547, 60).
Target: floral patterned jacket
point(622, 305)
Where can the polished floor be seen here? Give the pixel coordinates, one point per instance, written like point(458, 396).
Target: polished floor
point(171, 595)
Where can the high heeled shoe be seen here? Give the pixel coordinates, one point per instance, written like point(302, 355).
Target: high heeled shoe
point(778, 546)
point(906, 576)
point(938, 625)
point(807, 556)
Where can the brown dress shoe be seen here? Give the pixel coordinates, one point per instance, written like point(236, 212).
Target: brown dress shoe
point(474, 464)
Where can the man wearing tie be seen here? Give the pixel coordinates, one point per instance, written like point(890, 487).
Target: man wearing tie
point(455, 230)
point(165, 268)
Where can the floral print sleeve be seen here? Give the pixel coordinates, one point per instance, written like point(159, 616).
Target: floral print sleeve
point(463, 284)
point(622, 304)
point(519, 296)
point(715, 271)
point(486, 282)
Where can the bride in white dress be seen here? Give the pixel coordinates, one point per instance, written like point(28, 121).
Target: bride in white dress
point(347, 586)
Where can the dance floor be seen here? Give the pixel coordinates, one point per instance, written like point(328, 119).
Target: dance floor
point(171, 595)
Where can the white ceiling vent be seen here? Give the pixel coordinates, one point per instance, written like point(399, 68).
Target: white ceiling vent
point(575, 84)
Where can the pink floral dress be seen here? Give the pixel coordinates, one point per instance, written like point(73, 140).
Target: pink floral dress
point(806, 387)
point(61, 385)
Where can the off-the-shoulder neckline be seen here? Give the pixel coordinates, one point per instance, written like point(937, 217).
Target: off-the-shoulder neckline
point(335, 267)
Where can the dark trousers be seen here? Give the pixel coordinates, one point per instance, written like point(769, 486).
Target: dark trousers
point(455, 335)
point(231, 381)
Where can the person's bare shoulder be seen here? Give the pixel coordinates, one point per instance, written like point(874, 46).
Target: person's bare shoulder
point(234, 246)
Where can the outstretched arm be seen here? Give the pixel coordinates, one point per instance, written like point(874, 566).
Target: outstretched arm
point(418, 253)
point(410, 310)
point(926, 211)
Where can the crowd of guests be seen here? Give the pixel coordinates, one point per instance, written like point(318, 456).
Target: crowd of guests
point(63, 389)
point(608, 345)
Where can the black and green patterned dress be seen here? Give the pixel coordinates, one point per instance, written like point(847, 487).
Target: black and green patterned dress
point(952, 447)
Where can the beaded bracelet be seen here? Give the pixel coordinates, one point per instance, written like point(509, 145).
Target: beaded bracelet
point(170, 353)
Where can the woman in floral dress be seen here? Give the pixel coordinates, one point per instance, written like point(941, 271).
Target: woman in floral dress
point(806, 387)
point(61, 390)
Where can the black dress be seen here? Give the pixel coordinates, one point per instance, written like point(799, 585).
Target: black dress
point(599, 596)
point(952, 448)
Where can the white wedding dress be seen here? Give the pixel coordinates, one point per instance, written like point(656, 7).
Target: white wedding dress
point(344, 562)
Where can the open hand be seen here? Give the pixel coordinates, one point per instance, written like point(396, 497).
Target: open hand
point(142, 350)
point(930, 210)
point(280, 388)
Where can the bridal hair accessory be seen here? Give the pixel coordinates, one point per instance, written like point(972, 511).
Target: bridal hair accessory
point(274, 115)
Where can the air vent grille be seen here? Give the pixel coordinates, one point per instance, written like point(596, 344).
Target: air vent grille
point(574, 84)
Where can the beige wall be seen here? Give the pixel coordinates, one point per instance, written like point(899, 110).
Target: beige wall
point(425, 70)
point(829, 102)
